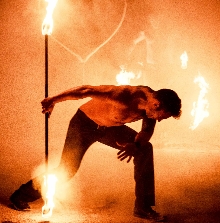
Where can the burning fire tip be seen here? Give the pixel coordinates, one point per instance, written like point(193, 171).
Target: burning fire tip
point(46, 29)
point(50, 183)
point(47, 25)
point(47, 211)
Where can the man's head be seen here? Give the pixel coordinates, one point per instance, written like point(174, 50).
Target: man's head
point(169, 102)
point(163, 104)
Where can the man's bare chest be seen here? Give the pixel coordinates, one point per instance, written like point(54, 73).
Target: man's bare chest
point(125, 114)
point(112, 114)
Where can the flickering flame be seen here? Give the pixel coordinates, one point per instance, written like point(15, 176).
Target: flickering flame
point(47, 25)
point(184, 60)
point(200, 108)
point(50, 185)
point(124, 77)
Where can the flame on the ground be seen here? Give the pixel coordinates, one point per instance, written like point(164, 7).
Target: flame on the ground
point(184, 60)
point(50, 186)
point(200, 108)
point(47, 25)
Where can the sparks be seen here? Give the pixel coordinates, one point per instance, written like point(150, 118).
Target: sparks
point(200, 108)
point(184, 60)
point(47, 25)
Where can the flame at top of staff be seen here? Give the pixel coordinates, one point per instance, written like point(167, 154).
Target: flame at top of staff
point(47, 26)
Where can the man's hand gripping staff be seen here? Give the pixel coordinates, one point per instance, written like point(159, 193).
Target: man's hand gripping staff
point(47, 105)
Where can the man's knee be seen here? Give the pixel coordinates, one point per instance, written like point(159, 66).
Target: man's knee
point(146, 148)
point(144, 154)
point(149, 145)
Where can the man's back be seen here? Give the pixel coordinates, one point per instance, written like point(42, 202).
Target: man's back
point(119, 106)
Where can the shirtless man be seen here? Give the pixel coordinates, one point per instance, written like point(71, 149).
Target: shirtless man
point(102, 119)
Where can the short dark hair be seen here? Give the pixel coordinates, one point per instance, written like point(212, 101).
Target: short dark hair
point(169, 101)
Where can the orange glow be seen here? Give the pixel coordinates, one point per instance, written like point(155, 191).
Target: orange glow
point(47, 25)
point(184, 60)
point(200, 108)
point(50, 185)
point(124, 77)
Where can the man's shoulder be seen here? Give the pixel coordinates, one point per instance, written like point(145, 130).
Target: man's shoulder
point(126, 88)
point(133, 89)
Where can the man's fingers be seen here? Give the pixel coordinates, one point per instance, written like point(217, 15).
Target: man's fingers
point(121, 155)
point(121, 151)
point(129, 159)
point(46, 112)
point(122, 158)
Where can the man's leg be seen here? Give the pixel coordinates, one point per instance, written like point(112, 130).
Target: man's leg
point(143, 170)
point(144, 177)
point(145, 188)
point(80, 136)
point(143, 163)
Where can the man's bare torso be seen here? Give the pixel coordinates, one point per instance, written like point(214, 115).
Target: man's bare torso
point(113, 112)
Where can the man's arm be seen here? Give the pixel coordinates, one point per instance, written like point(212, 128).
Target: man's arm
point(83, 92)
point(141, 139)
point(101, 92)
point(146, 132)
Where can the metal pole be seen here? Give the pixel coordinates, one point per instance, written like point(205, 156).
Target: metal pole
point(46, 95)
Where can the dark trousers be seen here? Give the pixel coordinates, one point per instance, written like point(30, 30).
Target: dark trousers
point(81, 134)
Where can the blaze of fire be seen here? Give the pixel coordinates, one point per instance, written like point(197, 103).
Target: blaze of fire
point(184, 60)
point(47, 25)
point(50, 185)
point(200, 108)
point(124, 77)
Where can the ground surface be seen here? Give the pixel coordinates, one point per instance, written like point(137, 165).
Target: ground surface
point(187, 191)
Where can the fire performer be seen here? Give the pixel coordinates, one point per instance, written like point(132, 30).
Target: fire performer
point(102, 119)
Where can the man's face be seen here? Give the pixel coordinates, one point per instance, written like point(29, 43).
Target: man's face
point(153, 110)
point(159, 115)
